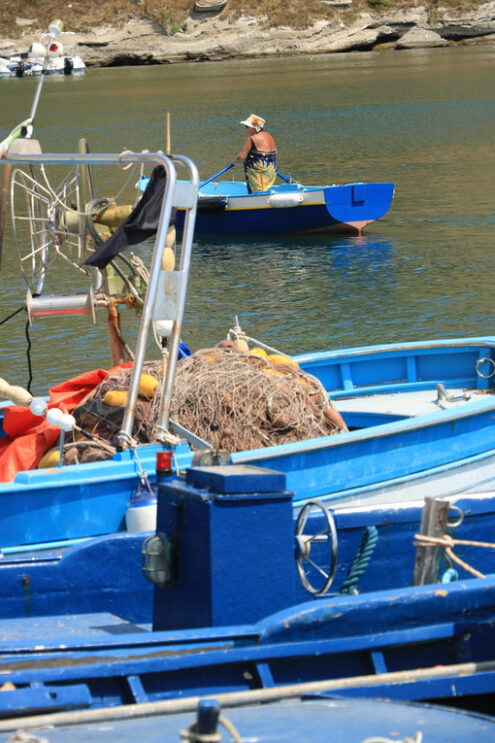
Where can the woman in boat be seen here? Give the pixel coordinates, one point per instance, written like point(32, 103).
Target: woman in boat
point(259, 155)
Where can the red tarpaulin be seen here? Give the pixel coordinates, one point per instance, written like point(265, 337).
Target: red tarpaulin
point(29, 437)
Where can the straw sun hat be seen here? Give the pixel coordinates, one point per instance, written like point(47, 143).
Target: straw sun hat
point(255, 121)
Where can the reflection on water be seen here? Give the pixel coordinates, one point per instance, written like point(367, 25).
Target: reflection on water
point(422, 119)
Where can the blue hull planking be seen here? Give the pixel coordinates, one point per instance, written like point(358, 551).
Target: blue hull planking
point(337, 209)
point(103, 574)
point(354, 644)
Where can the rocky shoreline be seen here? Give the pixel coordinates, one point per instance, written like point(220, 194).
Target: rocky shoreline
point(208, 37)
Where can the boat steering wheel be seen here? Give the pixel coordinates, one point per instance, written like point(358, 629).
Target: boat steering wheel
point(304, 542)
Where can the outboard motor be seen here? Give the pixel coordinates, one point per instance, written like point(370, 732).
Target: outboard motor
point(68, 66)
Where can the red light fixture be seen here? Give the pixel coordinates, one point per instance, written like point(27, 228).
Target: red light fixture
point(164, 461)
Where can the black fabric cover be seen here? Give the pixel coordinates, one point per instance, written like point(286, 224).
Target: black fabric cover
point(212, 203)
point(141, 223)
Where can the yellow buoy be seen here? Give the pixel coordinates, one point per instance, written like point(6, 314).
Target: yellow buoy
point(271, 371)
point(278, 358)
point(114, 215)
point(115, 397)
point(147, 385)
point(50, 459)
point(259, 352)
point(168, 257)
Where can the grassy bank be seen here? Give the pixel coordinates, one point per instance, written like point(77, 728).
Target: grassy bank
point(83, 15)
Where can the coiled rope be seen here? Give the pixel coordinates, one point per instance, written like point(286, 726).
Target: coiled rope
point(361, 561)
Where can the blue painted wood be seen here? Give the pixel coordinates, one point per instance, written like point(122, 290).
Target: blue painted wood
point(330, 639)
point(292, 721)
point(217, 521)
point(40, 698)
point(104, 574)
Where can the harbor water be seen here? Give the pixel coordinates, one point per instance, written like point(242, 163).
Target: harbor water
point(424, 119)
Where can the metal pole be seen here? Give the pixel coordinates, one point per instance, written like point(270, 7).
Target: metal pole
point(124, 437)
point(433, 524)
point(185, 262)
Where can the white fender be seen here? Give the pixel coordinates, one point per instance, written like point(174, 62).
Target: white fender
point(285, 200)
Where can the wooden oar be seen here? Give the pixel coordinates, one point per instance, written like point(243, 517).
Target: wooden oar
point(167, 152)
point(220, 172)
point(283, 177)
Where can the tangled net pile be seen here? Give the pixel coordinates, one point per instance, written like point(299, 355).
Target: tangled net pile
point(256, 399)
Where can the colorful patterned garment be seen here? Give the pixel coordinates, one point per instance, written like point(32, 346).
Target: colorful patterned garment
point(260, 169)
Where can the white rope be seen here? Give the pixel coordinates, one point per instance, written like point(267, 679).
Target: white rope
point(416, 738)
point(192, 736)
point(164, 436)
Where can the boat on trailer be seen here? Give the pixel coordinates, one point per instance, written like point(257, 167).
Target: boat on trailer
point(420, 416)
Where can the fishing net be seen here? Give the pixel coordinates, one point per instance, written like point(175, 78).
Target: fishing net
point(256, 400)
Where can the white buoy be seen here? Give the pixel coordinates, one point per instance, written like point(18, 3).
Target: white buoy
point(54, 416)
point(38, 406)
point(67, 422)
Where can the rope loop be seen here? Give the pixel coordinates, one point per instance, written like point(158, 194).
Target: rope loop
point(127, 440)
point(164, 436)
point(121, 156)
point(192, 736)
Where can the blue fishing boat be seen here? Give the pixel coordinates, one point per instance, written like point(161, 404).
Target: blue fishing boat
point(229, 613)
point(227, 594)
point(227, 208)
point(419, 419)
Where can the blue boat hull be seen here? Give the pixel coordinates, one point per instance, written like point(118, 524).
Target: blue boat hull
point(386, 456)
point(329, 209)
point(424, 643)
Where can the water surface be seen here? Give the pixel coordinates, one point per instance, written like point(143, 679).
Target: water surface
point(424, 119)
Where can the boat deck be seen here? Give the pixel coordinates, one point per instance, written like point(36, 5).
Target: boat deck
point(409, 404)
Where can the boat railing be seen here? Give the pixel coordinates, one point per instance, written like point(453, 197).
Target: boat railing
point(177, 194)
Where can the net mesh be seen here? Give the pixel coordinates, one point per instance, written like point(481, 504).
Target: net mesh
point(255, 400)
